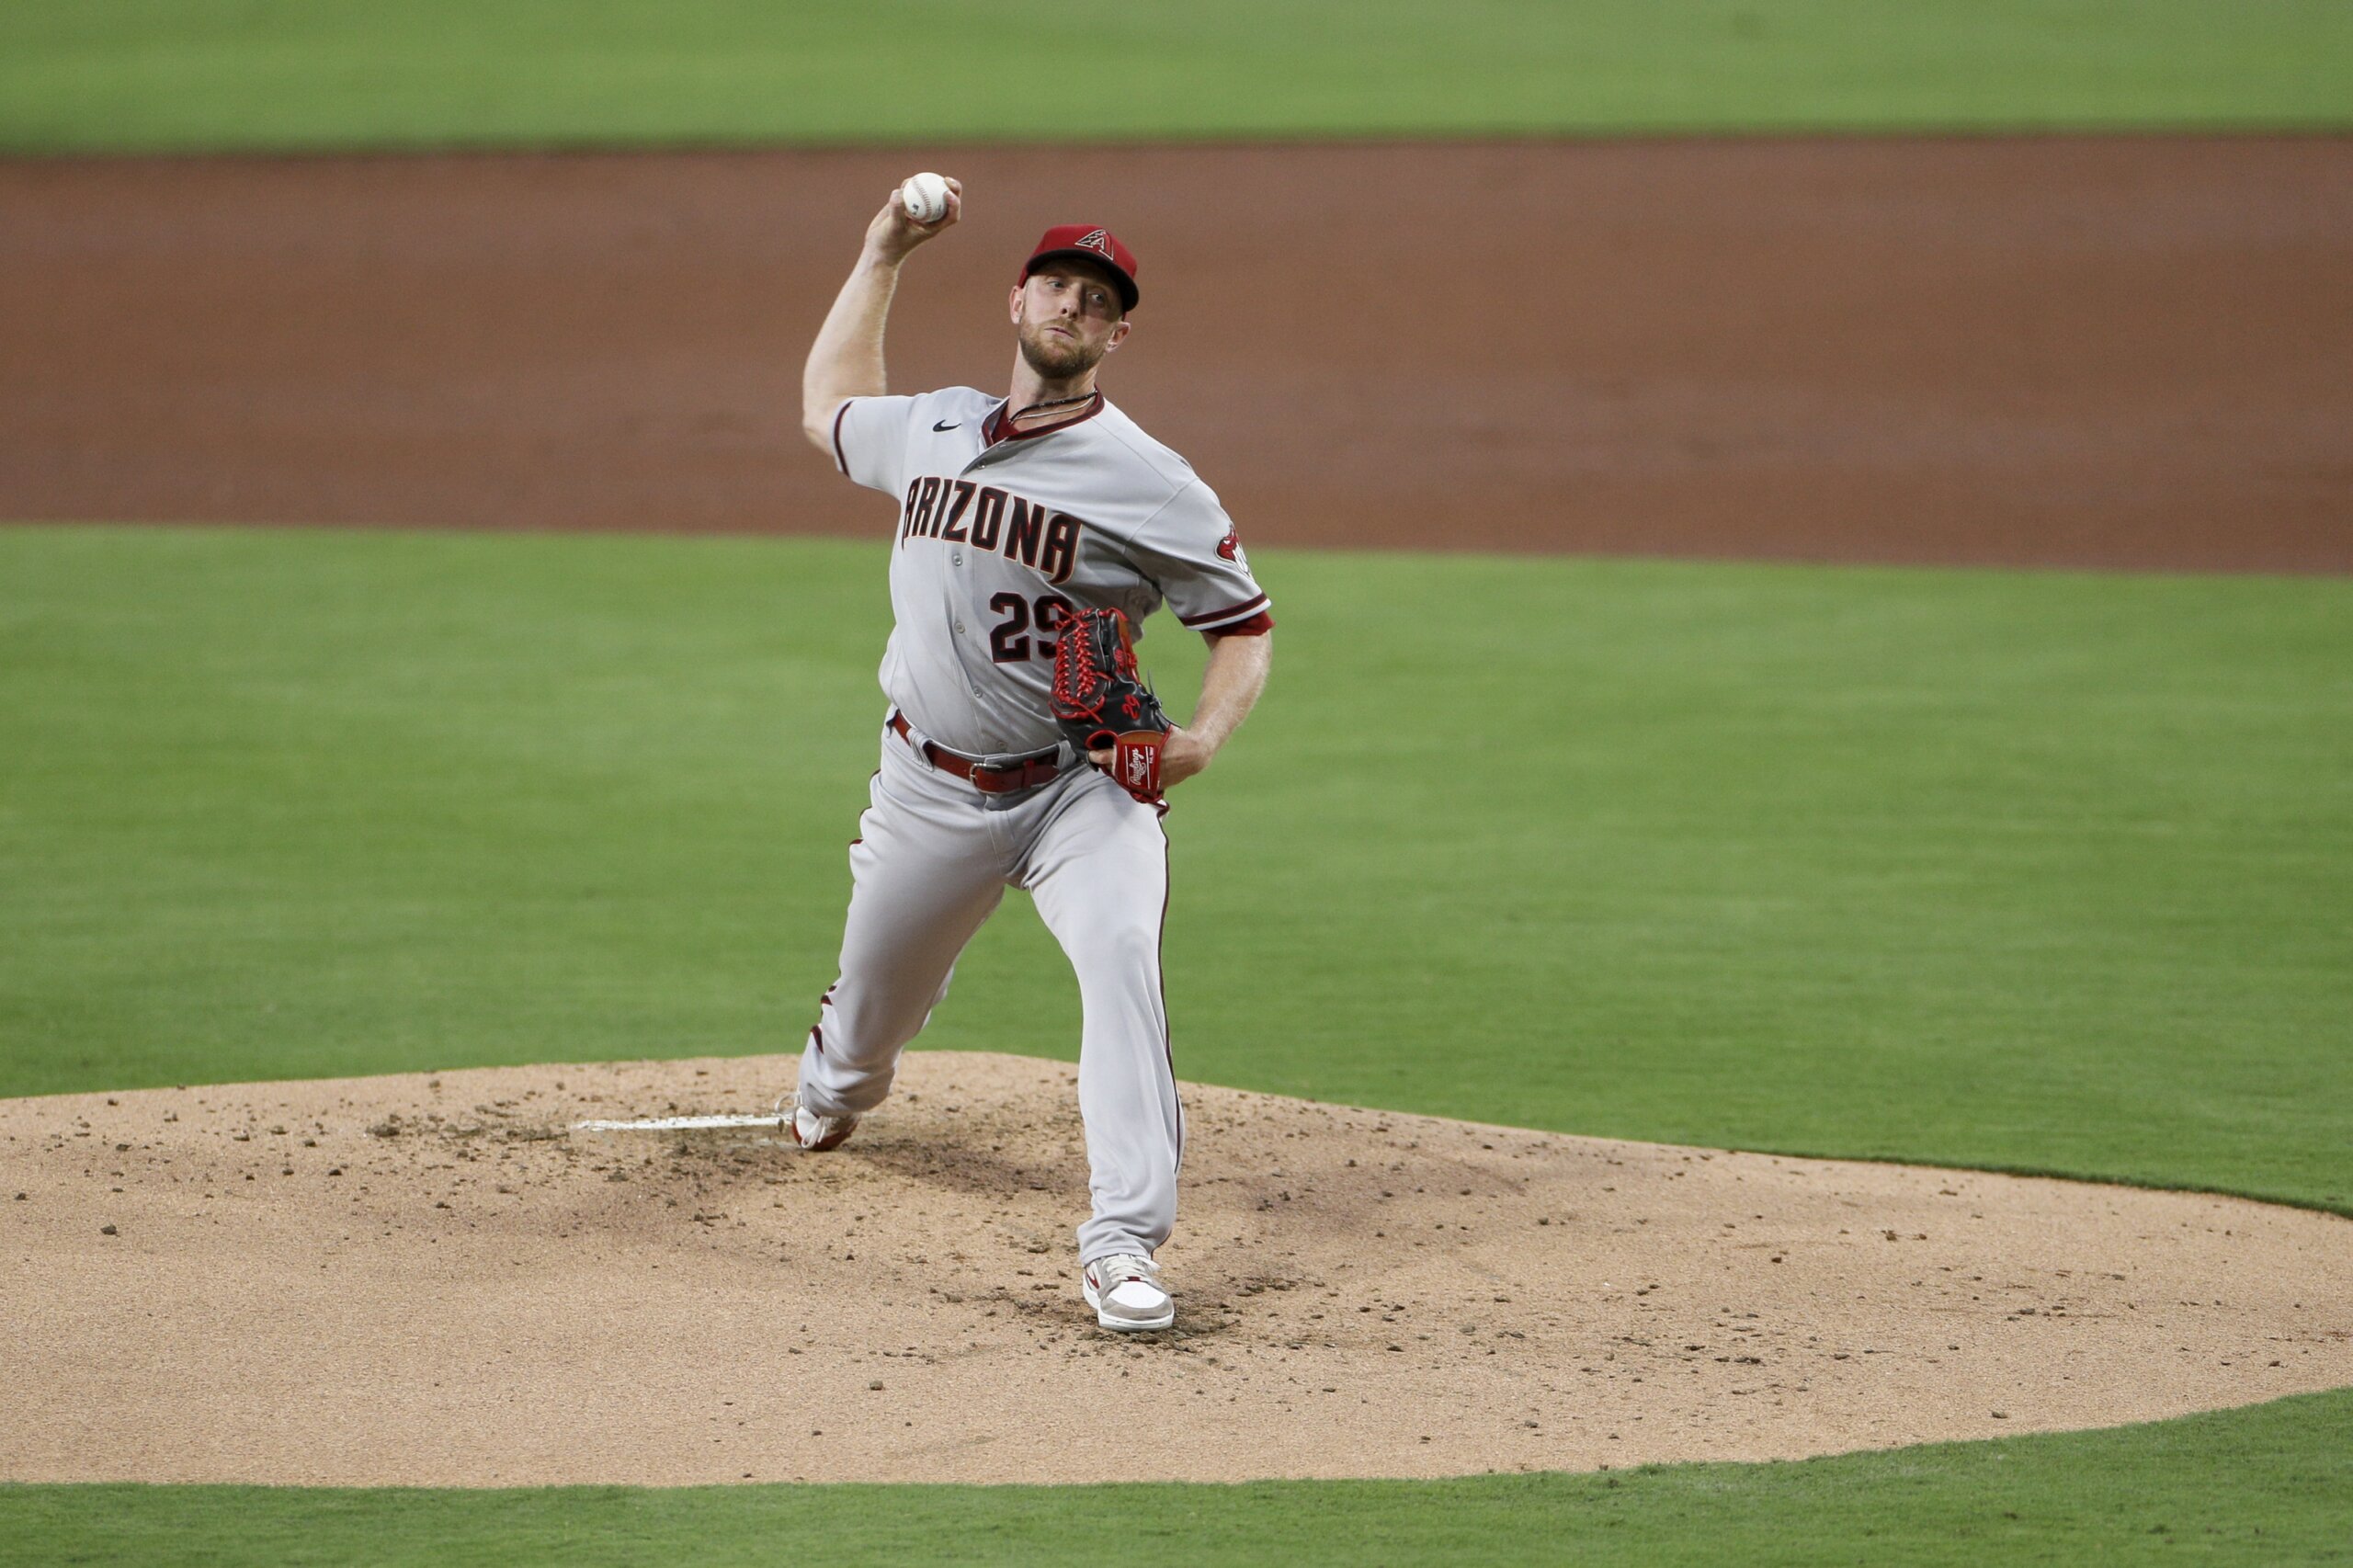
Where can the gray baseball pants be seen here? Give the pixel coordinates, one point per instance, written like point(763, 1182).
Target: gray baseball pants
point(933, 858)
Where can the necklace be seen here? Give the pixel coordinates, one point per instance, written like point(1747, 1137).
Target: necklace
point(1055, 403)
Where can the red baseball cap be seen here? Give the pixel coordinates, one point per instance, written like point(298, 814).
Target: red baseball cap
point(1095, 242)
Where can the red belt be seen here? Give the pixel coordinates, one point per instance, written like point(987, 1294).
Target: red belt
point(1029, 775)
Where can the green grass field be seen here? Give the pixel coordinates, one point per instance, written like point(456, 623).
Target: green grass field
point(197, 74)
point(2046, 872)
point(2253, 1486)
point(2039, 871)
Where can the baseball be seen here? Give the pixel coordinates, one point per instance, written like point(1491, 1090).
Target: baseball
point(925, 197)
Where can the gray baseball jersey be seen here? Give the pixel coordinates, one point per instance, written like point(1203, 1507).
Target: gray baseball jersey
point(996, 542)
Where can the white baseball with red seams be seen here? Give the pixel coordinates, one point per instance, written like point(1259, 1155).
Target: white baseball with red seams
point(925, 197)
point(999, 534)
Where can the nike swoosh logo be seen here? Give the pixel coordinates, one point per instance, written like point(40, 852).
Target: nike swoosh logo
point(948, 424)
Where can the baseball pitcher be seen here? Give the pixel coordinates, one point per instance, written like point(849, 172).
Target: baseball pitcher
point(1035, 532)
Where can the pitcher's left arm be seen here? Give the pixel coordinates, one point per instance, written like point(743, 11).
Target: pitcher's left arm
point(1230, 686)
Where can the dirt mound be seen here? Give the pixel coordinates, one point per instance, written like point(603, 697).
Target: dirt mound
point(404, 1281)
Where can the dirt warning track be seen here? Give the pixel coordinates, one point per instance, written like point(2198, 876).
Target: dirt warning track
point(435, 1282)
point(2122, 352)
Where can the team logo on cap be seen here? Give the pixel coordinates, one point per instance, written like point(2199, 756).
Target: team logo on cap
point(1098, 241)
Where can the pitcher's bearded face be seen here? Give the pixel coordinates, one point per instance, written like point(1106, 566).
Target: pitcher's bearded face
point(1067, 317)
point(1056, 352)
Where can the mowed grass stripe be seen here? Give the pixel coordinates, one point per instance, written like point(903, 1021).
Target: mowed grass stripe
point(2263, 1485)
point(180, 75)
point(2035, 871)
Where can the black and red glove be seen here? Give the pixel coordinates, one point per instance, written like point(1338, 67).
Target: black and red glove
point(1101, 700)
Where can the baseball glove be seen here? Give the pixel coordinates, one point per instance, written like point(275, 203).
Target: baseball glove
point(1101, 700)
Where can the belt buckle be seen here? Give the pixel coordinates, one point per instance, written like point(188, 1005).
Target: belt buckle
point(1013, 778)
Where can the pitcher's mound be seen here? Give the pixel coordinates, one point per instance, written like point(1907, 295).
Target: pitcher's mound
point(405, 1281)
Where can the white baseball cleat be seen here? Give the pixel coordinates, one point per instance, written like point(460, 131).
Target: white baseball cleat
point(814, 1133)
point(1126, 1293)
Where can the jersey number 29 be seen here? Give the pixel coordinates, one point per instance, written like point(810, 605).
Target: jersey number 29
point(1009, 640)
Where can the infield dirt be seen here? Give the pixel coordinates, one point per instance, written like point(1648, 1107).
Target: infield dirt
point(435, 1282)
point(2113, 352)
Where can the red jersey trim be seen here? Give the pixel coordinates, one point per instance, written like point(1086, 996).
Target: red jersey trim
point(841, 461)
point(1207, 620)
point(994, 429)
point(1257, 625)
